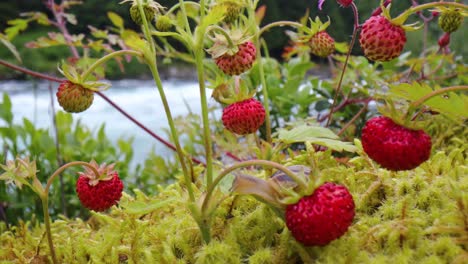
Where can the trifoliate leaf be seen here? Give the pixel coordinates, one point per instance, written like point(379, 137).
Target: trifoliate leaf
point(316, 135)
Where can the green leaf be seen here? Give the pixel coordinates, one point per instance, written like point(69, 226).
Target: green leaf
point(17, 25)
point(144, 207)
point(5, 109)
point(116, 20)
point(316, 135)
point(452, 105)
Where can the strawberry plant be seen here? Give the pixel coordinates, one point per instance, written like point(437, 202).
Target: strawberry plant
point(297, 192)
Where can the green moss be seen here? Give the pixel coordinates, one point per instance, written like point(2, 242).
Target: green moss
point(416, 216)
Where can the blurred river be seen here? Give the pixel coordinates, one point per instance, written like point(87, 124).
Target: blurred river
point(139, 98)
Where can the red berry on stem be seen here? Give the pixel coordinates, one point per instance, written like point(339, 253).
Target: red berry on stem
point(322, 217)
point(381, 40)
point(244, 117)
point(393, 146)
point(74, 98)
point(239, 62)
point(322, 45)
point(101, 193)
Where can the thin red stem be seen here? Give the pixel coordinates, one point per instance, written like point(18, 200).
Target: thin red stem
point(123, 112)
point(353, 40)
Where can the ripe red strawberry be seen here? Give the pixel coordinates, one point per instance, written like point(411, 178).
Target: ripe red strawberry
point(344, 3)
point(244, 117)
point(74, 98)
point(395, 147)
point(239, 62)
point(450, 20)
point(101, 193)
point(322, 217)
point(381, 40)
point(321, 44)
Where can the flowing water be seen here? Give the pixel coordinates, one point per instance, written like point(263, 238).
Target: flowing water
point(139, 98)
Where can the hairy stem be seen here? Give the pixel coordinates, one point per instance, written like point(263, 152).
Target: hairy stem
point(279, 24)
point(415, 9)
point(204, 107)
point(104, 59)
point(266, 99)
point(45, 201)
point(248, 163)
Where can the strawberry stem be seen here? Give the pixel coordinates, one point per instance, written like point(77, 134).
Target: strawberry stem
point(265, 163)
point(223, 32)
point(415, 9)
point(184, 13)
point(152, 64)
point(178, 5)
point(45, 201)
point(104, 59)
point(262, 77)
point(353, 40)
point(279, 24)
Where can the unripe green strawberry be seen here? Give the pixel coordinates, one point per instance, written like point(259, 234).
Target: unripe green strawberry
point(450, 20)
point(244, 117)
point(163, 23)
point(74, 98)
point(381, 40)
point(136, 16)
point(393, 146)
point(233, 11)
point(321, 44)
point(322, 217)
point(239, 62)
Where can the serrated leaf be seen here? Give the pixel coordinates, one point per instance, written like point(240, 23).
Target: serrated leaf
point(16, 26)
point(316, 135)
point(215, 15)
point(451, 104)
point(116, 20)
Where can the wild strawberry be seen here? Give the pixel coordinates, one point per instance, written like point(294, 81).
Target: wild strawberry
point(450, 20)
point(393, 146)
point(240, 61)
point(344, 3)
point(321, 44)
point(99, 193)
point(244, 117)
point(381, 40)
point(163, 23)
point(74, 98)
point(136, 15)
point(322, 217)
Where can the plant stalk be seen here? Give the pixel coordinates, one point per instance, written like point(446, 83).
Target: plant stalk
point(248, 163)
point(104, 59)
point(45, 202)
point(340, 82)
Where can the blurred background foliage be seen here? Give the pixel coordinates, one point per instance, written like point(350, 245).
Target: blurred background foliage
point(93, 12)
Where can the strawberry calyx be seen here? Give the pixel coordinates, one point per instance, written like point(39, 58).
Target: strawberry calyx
point(227, 42)
point(401, 115)
point(106, 172)
point(230, 91)
point(400, 20)
point(280, 190)
point(71, 73)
